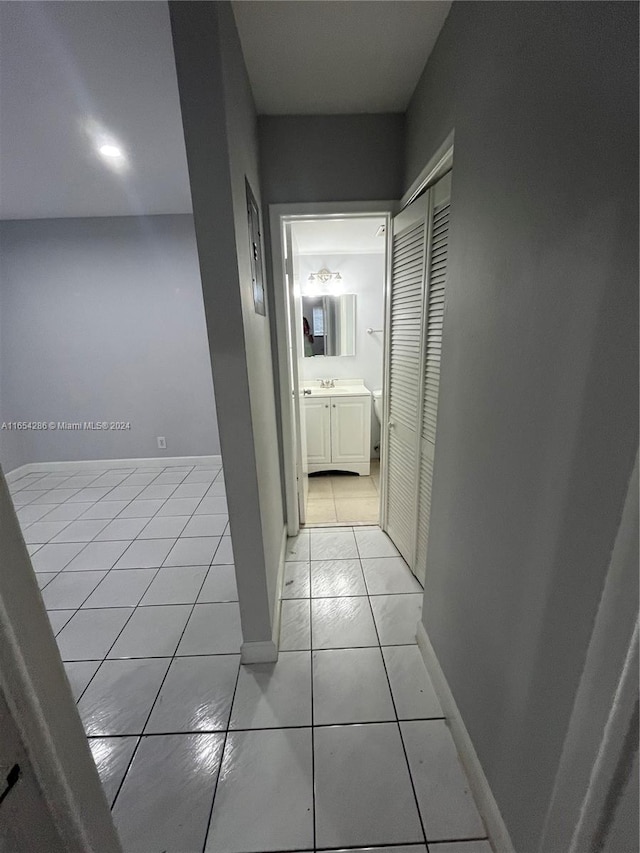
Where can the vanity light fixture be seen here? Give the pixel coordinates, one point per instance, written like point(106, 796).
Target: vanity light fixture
point(324, 275)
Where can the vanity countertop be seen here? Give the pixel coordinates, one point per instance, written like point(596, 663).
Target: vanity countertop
point(342, 388)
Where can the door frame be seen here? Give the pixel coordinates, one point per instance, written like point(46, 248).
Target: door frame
point(279, 215)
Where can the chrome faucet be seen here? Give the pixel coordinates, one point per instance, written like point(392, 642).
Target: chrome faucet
point(327, 383)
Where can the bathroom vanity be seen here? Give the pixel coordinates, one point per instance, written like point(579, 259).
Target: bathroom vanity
point(338, 426)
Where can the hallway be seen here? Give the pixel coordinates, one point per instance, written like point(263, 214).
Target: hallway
point(136, 572)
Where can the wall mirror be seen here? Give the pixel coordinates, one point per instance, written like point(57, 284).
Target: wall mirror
point(329, 325)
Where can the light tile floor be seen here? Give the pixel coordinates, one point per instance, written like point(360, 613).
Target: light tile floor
point(341, 744)
point(337, 498)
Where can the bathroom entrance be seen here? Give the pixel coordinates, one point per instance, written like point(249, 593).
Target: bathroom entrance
point(335, 273)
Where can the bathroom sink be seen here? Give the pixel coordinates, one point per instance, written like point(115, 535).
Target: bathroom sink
point(342, 388)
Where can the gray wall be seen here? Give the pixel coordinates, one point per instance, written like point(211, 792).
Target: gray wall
point(331, 158)
point(537, 426)
point(102, 319)
point(221, 140)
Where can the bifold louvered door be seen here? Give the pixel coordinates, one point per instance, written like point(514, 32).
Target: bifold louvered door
point(418, 276)
point(437, 260)
point(405, 373)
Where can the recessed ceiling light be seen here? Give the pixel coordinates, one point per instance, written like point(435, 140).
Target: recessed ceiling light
point(111, 151)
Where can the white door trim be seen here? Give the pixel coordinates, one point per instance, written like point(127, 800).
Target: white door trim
point(35, 687)
point(278, 215)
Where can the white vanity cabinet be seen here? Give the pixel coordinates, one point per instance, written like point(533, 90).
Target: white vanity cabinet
point(338, 429)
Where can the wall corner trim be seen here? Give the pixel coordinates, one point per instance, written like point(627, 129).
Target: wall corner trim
point(277, 604)
point(482, 793)
point(263, 651)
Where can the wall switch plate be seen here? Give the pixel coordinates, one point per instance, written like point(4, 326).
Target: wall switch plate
point(162, 442)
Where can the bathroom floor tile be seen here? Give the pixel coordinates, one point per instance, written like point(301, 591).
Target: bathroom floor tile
point(321, 511)
point(124, 588)
point(69, 589)
point(112, 756)
point(145, 554)
point(194, 551)
point(413, 693)
point(213, 629)
point(446, 804)
point(334, 578)
point(339, 623)
point(385, 575)
point(176, 585)
point(157, 490)
point(397, 617)
point(160, 811)
point(350, 686)
point(296, 582)
point(247, 800)
point(358, 509)
point(360, 770)
point(120, 696)
point(196, 695)
point(462, 847)
point(152, 632)
point(274, 695)
point(295, 625)
point(90, 633)
point(220, 585)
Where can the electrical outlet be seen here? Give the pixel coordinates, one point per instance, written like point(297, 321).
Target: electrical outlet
point(162, 442)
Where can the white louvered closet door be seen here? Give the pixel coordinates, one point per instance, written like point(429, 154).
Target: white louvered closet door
point(405, 374)
point(437, 267)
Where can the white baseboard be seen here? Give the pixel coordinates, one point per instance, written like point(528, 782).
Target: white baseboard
point(263, 651)
point(478, 782)
point(89, 464)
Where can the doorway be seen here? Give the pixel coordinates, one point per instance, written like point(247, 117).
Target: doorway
point(332, 336)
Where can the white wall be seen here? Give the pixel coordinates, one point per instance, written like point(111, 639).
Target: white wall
point(538, 411)
point(221, 141)
point(103, 319)
point(364, 276)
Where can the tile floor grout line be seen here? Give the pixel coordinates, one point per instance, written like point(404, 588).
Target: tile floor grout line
point(153, 704)
point(393, 702)
point(313, 736)
point(222, 753)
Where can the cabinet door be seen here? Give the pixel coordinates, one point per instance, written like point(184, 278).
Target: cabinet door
point(350, 429)
point(318, 430)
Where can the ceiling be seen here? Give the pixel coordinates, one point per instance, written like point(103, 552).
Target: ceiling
point(78, 75)
point(335, 56)
point(338, 236)
point(73, 75)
